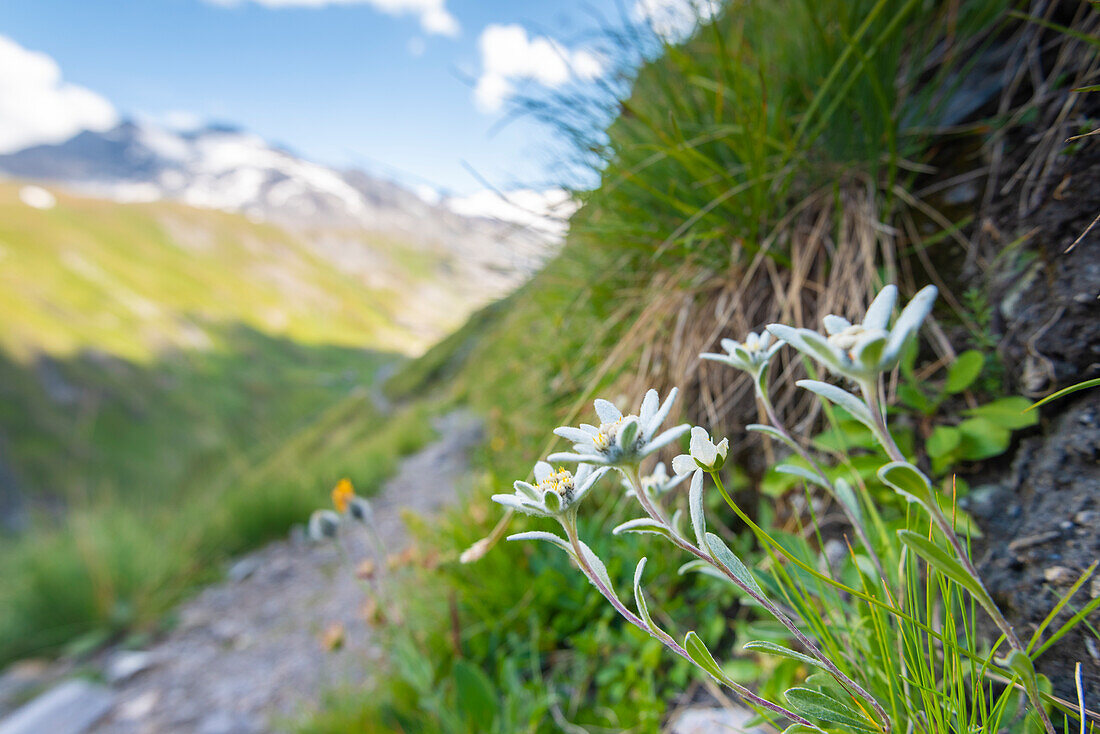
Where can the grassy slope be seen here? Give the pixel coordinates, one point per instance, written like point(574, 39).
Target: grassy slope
point(186, 384)
point(695, 143)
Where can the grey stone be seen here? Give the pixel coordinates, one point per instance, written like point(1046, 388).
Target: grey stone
point(69, 708)
point(222, 722)
point(243, 568)
point(714, 721)
point(125, 664)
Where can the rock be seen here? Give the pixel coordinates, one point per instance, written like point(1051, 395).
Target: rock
point(125, 664)
point(222, 722)
point(712, 720)
point(19, 679)
point(243, 568)
point(70, 708)
point(1059, 576)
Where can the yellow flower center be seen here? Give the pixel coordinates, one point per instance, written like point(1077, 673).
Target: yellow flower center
point(342, 494)
point(560, 482)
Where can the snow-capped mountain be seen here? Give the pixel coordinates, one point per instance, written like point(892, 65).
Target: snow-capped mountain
point(220, 167)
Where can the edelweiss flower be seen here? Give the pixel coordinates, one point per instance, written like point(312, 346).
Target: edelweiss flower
point(862, 351)
point(751, 355)
point(656, 483)
point(621, 440)
point(705, 454)
point(323, 524)
point(554, 492)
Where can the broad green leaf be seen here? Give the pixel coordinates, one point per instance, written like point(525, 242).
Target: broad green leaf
point(641, 525)
point(853, 405)
point(698, 652)
point(963, 371)
point(908, 481)
point(731, 562)
point(474, 692)
point(817, 705)
point(943, 441)
point(945, 562)
point(912, 397)
point(982, 438)
point(1011, 412)
point(786, 652)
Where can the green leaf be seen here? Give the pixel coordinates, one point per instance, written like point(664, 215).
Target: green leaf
point(699, 653)
point(908, 481)
point(771, 433)
point(943, 441)
point(474, 692)
point(731, 562)
point(846, 496)
point(639, 599)
point(695, 507)
point(799, 471)
point(597, 566)
point(912, 397)
point(1011, 412)
point(945, 562)
point(817, 705)
point(853, 405)
point(786, 652)
point(641, 525)
point(981, 438)
point(964, 371)
point(542, 535)
point(1066, 391)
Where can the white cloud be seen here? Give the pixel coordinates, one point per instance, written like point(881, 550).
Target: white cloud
point(546, 211)
point(36, 106)
point(433, 14)
point(674, 20)
point(508, 55)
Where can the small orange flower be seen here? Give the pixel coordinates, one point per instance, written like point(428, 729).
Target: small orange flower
point(342, 495)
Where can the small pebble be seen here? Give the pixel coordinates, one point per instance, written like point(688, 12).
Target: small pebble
point(1059, 576)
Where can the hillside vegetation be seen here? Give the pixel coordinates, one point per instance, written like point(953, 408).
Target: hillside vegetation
point(763, 171)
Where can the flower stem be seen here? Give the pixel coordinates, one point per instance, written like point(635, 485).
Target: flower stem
point(872, 397)
point(570, 527)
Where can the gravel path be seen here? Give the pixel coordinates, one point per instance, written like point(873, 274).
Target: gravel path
point(248, 655)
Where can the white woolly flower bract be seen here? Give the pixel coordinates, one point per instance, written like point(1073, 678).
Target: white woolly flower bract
point(621, 440)
point(751, 355)
point(554, 493)
point(705, 454)
point(862, 351)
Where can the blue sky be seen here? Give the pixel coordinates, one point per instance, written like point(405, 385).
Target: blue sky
point(344, 83)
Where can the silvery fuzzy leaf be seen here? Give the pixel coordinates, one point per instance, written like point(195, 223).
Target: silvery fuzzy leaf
point(607, 411)
point(584, 481)
point(695, 508)
point(732, 563)
point(724, 359)
point(786, 652)
point(835, 324)
point(800, 471)
point(817, 705)
point(772, 349)
point(641, 525)
point(666, 438)
point(868, 349)
point(743, 355)
point(699, 653)
point(628, 433)
point(701, 566)
point(878, 313)
point(517, 503)
point(542, 470)
point(855, 407)
point(597, 567)
point(572, 458)
point(729, 345)
point(576, 435)
point(639, 599)
point(818, 347)
point(552, 501)
point(527, 490)
point(677, 522)
point(908, 481)
point(846, 496)
point(590, 429)
point(650, 403)
point(662, 414)
point(548, 537)
point(910, 320)
point(773, 433)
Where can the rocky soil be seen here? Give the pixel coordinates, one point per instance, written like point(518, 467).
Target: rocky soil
point(254, 653)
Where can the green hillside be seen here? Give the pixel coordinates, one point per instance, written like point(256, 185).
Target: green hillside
point(177, 385)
